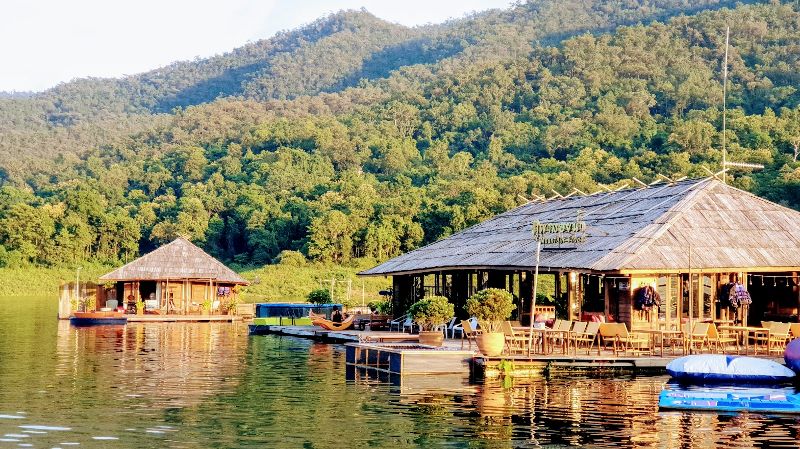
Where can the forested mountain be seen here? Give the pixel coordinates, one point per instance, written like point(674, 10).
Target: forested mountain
point(353, 137)
point(333, 53)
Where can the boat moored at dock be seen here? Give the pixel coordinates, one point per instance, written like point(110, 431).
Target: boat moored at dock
point(97, 318)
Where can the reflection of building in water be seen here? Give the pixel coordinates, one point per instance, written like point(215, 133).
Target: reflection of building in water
point(173, 364)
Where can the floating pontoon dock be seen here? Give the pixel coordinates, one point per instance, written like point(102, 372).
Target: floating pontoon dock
point(377, 349)
point(408, 358)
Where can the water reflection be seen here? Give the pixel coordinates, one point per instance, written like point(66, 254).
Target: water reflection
point(201, 385)
point(167, 364)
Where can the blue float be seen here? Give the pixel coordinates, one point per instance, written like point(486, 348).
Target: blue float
point(752, 399)
point(716, 368)
point(792, 355)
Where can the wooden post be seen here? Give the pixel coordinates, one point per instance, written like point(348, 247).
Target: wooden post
point(607, 297)
point(572, 280)
point(700, 297)
point(797, 287)
point(533, 295)
point(557, 290)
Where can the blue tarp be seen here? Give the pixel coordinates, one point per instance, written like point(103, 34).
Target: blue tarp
point(293, 310)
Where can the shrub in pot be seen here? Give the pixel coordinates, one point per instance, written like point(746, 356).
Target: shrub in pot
point(491, 307)
point(428, 313)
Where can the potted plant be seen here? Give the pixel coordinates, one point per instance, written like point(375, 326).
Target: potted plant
point(206, 306)
point(491, 307)
point(428, 313)
point(233, 304)
point(89, 304)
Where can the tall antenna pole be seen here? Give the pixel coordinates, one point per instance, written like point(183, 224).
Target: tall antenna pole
point(725, 106)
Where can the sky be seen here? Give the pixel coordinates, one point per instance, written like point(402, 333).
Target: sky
point(44, 42)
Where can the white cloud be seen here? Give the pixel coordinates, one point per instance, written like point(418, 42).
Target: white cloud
point(48, 41)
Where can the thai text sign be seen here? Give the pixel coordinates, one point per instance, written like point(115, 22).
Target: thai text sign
point(560, 233)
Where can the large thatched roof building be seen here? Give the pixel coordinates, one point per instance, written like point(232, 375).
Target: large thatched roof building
point(632, 237)
point(176, 278)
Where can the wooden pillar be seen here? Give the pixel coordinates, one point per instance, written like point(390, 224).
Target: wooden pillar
point(608, 284)
point(625, 304)
point(699, 297)
point(572, 280)
point(167, 295)
point(666, 302)
point(558, 291)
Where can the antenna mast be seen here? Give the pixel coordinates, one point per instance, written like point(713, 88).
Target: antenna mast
point(725, 105)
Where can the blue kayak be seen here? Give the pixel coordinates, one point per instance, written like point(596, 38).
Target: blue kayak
point(753, 400)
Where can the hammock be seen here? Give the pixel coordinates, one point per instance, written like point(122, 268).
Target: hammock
point(330, 325)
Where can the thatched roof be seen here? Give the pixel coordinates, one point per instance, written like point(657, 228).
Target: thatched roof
point(179, 259)
point(629, 230)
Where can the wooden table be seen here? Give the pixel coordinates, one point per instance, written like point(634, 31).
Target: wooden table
point(545, 334)
point(662, 333)
point(745, 332)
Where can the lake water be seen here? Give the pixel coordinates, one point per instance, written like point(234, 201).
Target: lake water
point(212, 386)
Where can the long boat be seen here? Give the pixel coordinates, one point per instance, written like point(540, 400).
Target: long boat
point(98, 318)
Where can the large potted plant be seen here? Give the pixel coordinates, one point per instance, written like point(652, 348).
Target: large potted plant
point(491, 307)
point(428, 313)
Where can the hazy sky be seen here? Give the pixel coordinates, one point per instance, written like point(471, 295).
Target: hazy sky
point(44, 42)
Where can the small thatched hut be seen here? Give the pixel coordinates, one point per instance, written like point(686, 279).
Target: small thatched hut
point(685, 239)
point(178, 278)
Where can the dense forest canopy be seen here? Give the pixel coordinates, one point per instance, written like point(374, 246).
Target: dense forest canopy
point(353, 137)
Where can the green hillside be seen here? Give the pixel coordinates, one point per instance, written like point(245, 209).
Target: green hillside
point(333, 53)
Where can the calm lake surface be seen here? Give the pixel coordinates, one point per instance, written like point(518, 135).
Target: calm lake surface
point(201, 385)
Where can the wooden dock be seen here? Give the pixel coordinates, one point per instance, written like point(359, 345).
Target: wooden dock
point(319, 334)
point(538, 365)
point(408, 358)
point(515, 365)
point(132, 318)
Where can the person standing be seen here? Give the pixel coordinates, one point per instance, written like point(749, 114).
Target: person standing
point(336, 316)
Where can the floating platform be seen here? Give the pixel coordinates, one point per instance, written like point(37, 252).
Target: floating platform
point(183, 318)
point(537, 365)
point(408, 358)
point(758, 400)
point(98, 319)
point(319, 334)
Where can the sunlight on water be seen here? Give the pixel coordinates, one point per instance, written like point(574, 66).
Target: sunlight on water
point(211, 385)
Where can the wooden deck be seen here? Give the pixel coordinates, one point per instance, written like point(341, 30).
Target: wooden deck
point(346, 336)
point(516, 365)
point(132, 318)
